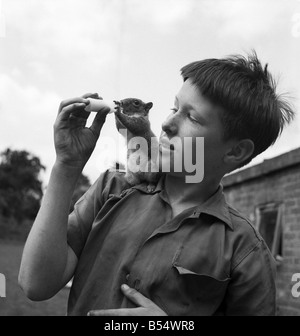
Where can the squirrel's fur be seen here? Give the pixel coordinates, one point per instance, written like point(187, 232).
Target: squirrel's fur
point(133, 115)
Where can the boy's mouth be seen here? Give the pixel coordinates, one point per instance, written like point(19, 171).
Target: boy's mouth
point(164, 143)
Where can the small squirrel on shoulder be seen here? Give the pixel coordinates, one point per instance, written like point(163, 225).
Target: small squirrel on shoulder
point(132, 114)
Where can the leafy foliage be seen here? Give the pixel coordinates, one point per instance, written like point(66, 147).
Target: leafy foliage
point(21, 192)
point(20, 187)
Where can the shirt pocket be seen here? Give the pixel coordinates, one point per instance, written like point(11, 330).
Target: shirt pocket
point(193, 294)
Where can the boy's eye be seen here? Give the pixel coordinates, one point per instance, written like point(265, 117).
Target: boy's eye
point(193, 119)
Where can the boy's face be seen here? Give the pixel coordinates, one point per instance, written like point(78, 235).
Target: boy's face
point(194, 116)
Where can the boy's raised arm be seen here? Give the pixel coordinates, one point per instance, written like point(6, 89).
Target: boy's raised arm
point(48, 263)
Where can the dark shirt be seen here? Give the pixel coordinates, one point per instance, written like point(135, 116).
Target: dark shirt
point(208, 260)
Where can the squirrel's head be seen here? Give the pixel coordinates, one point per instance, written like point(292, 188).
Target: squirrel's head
point(132, 106)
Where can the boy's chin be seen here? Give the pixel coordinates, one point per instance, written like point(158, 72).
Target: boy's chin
point(167, 164)
point(169, 169)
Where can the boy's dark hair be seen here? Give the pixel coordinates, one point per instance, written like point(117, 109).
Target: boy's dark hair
point(247, 93)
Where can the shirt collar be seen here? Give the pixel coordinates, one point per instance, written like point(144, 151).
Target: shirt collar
point(215, 206)
point(144, 187)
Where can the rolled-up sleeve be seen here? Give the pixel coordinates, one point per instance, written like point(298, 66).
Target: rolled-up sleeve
point(85, 210)
point(252, 291)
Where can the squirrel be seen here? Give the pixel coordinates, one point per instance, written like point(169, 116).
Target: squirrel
point(132, 114)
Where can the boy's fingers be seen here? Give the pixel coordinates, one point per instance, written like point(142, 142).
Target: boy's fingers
point(85, 114)
point(99, 121)
point(72, 101)
point(82, 99)
point(136, 297)
point(78, 100)
point(75, 107)
point(81, 113)
point(65, 113)
point(112, 312)
point(77, 120)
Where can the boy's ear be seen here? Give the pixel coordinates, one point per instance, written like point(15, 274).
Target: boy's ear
point(239, 152)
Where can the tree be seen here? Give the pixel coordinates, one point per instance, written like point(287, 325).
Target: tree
point(20, 187)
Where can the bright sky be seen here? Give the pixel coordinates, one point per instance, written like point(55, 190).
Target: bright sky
point(51, 50)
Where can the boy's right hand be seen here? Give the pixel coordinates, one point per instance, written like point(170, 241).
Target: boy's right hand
point(74, 142)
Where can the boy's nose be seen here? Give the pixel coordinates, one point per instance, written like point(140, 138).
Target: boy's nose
point(170, 125)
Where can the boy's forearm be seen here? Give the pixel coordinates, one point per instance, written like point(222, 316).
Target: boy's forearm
point(46, 251)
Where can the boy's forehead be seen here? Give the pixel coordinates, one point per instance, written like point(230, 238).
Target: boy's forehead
point(189, 93)
point(191, 96)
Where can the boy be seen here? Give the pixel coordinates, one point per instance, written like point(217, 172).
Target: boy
point(179, 249)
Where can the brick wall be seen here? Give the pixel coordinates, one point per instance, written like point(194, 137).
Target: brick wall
point(276, 180)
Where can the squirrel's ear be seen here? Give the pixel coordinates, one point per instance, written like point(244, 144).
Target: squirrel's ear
point(148, 106)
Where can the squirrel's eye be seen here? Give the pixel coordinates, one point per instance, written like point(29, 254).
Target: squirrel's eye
point(136, 103)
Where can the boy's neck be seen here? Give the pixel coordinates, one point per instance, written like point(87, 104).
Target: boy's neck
point(184, 195)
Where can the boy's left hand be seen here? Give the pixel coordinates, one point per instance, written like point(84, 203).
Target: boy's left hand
point(145, 307)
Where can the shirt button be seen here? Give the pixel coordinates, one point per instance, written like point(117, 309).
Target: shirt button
point(150, 188)
point(137, 284)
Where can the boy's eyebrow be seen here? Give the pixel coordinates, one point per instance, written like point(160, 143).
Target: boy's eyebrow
point(191, 107)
